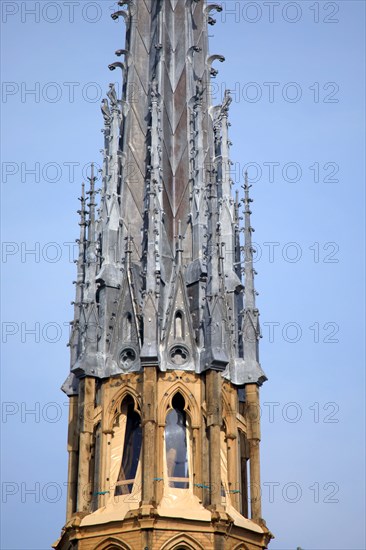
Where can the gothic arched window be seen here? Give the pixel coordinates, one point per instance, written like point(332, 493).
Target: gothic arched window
point(176, 444)
point(127, 327)
point(131, 447)
point(179, 326)
point(244, 455)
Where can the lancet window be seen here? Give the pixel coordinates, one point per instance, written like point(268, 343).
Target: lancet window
point(177, 444)
point(131, 447)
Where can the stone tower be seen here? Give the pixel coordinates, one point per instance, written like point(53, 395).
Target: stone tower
point(164, 383)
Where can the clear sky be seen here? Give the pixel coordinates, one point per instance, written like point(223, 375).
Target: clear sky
point(297, 74)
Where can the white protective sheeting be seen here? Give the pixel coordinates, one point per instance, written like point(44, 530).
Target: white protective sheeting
point(117, 507)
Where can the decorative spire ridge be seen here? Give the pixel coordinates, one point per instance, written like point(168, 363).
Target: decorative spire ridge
point(80, 282)
point(225, 145)
point(236, 206)
point(213, 233)
point(153, 229)
point(110, 225)
point(248, 249)
point(154, 192)
point(215, 350)
point(91, 249)
point(81, 240)
point(92, 205)
point(251, 329)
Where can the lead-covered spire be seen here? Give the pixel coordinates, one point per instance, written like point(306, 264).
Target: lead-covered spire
point(167, 193)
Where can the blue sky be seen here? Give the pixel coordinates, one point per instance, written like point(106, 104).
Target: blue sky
point(297, 74)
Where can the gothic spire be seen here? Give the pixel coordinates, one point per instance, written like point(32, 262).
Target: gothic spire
point(161, 338)
point(166, 206)
point(251, 329)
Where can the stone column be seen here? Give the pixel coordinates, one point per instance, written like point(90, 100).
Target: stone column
point(149, 450)
point(253, 411)
point(244, 457)
point(196, 462)
point(86, 407)
point(214, 422)
point(232, 470)
point(72, 447)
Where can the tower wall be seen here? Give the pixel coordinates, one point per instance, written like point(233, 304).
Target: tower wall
point(210, 511)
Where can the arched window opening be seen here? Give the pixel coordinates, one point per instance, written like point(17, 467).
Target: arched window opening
point(244, 454)
point(127, 327)
point(131, 448)
point(182, 542)
point(176, 444)
point(111, 545)
point(179, 326)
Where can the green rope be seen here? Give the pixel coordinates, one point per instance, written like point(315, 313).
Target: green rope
point(101, 493)
point(158, 479)
point(201, 486)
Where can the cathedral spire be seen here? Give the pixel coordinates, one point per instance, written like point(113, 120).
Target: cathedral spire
point(164, 352)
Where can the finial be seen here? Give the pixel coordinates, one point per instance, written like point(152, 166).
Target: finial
point(247, 199)
point(237, 203)
point(248, 248)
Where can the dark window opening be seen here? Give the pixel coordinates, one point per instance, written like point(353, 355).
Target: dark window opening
point(176, 444)
point(179, 328)
point(131, 448)
point(127, 327)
